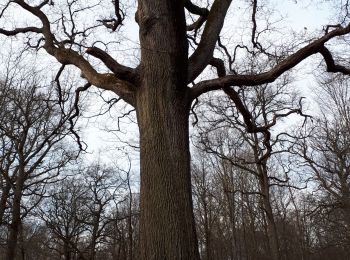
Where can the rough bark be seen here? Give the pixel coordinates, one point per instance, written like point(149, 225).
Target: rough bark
point(167, 223)
point(167, 226)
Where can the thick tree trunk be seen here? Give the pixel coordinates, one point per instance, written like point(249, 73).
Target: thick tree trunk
point(167, 229)
point(167, 222)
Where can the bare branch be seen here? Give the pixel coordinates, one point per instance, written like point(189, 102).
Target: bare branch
point(106, 81)
point(20, 30)
point(255, 35)
point(194, 9)
point(255, 7)
point(203, 54)
point(45, 2)
point(331, 66)
point(76, 113)
point(121, 71)
point(271, 75)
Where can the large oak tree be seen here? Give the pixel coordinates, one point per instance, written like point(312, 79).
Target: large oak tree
point(160, 88)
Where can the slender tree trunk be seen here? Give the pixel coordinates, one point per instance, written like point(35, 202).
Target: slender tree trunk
point(246, 254)
point(346, 217)
point(4, 197)
point(14, 229)
point(66, 250)
point(23, 249)
point(253, 240)
point(272, 232)
point(130, 229)
point(16, 217)
point(94, 235)
point(271, 225)
point(167, 228)
point(230, 197)
point(207, 231)
point(345, 201)
point(264, 184)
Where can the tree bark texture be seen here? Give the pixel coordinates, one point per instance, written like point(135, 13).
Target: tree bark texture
point(167, 226)
point(167, 223)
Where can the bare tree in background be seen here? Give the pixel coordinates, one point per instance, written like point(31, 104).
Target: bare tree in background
point(80, 211)
point(159, 87)
point(123, 229)
point(224, 134)
point(66, 214)
point(33, 150)
point(326, 154)
point(104, 186)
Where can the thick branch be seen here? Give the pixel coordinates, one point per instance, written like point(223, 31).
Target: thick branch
point(121, 71)
point(331, 66)
point(118, 12)
point(197, 24)
point(255, 7)
point(20, 30)
point(219, 65)
point(107, 81)
point(271, 75)
point(194, 9)
point(234, 96)
point(46, 30)
point(247, 117)
point(204, 52)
